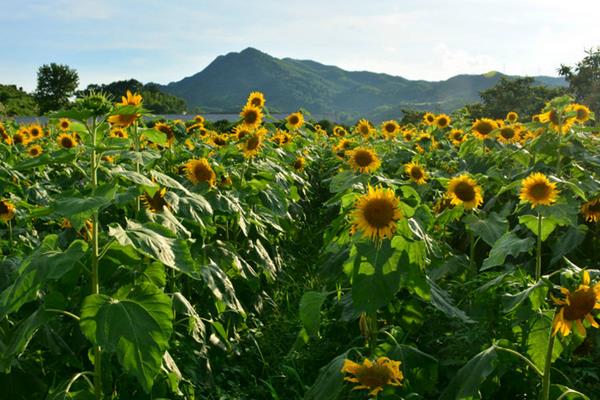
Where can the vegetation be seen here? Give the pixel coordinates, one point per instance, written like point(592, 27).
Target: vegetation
point(56, 84)
point(584, 79)
point(15, 101)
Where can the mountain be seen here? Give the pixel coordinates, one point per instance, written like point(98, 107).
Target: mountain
point(325, 91)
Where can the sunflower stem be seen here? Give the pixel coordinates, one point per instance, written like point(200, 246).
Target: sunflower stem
point(545, 395)
point(538, 257)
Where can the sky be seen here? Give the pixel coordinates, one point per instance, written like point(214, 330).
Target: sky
point(165, 41)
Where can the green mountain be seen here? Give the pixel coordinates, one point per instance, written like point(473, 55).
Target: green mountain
point(325, 91)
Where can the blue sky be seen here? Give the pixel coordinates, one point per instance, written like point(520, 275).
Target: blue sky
point(162, 41)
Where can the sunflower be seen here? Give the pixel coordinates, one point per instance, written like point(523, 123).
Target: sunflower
point(118, 133)
point(442, 121)
point(34, 150)
point(131, 99)
point(156, 203)
point(253, 144)
point(512, 117)
point(483, 127)
point(556, 121)
point(464, 190)
point(343, 145)
point(200, 171)
point(35, 132)
point(219, 140)
point(21, 136)
point(299, 163)
point(281, 138)
point(408, 135)
point(416, 173)
point(375, 214)
point(295, 120)
point(256, 99)
point(390, 129)
point(535, 118)
point(3, 132)
point(64, 124)
point(373, 375)
point(7, 211)
point(582, 113)
point(339, 131)
point(364, 127)
point(66, 140)
point(509, 134)
point(167, 130)
point(251, 117)
point(591, 210)
point(428, 118)
point(363, 159)
point(199, 119)
point(537, 189)
point(240, 131)
point(576, 307)
point(457, 136)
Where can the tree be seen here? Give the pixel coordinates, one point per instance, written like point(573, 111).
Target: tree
point(56, 83)
point(584, 79)
point(518, 94)
point(15, 101)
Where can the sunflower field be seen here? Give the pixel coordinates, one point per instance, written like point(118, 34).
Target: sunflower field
point(145, 258)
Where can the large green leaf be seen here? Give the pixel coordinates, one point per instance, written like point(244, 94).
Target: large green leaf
point(155, 136)
point(135, 324)
point(536, 293)
point(489, 229)
point(548, 225)
point(537, 340)
point(330, 382)
point(48, 262)
point(20, 338)
point(443, 302)
point(221, 287)
point(310, 311)
point(157, 242)
point(419, 368)
point(508, 245)
point(62, 156)
point(568, 242)
point(465, 384)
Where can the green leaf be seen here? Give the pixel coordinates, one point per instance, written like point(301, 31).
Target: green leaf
point(343, 181)
point(221, 287)
point(62, 156)
point(48, 262)
point(536, 293)
point(548, 225)
point(78, 115)
point(508, 244)
point(419, 368)
point(537, 341)
point(136, 324)
point(157, 242)
point(310, 311)
point(155, 136)
point(489, 229)
point(466, 383)
point(20, 338)
point(330, 382)
point(443, 302)
point(568, 242)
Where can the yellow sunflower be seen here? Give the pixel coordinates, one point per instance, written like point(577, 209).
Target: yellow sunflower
point(509, 134)
point(429, 118)
point(200, 171)
point(156, 203)
point(582, 113)
point(376, 213)
point(256, 99)
point(373, 376)
point(240, 131)
point(591, 210)
point(512, 117)
point(167, 130)
point(34, 150)
point(251, 117)
point(363, 159)
point(199, 119)
point(483, 127)
point(343, 145)
point(538, 190)
point(131, 99)
point(253, 143)
point(64, 124)
point(7, 211)
point(21, 136)
point(299, 163)
point(66, 140)
point(122, 120)
point(535, 118)
point(295, 120)
point(457, 136)
point(390, 129)
point(36, 132)
point(556, 121)
point(281, 138)
point(464, 190)
point(219, 140)
point(363, 127)
point(118, 133)
point(416, 173)
point(576, 307)
point(339, 131)
point(442, 121)
point(408, 135)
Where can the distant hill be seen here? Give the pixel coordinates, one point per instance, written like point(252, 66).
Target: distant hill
point(325, 91)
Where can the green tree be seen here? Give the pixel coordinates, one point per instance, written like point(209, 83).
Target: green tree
point(56, 83)
point(584, 79)
point(15, 101)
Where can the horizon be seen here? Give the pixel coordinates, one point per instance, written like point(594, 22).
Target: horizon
point(162, 43)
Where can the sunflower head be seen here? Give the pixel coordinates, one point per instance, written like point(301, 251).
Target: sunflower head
point(556, 121)
point(299, 163)
point(295, 120)
point(538, 190)
point(364, 128)
point(251, 117)
point(256, 99)
point(376, 213)
point(591, 210)
point(64, 124)
point(200, 171)
point(118, 133)
point(373, 376)
point(339, 131)
point(363, 159)
point(457, 136)
point(7, 210)
point(199, 119)
point(483, 127)
point(512, 117)
point(582, 113)
point(442, 121)
point(167, 130)
point(122, 120)
point(240, 131)
point(35, 132)
point(66, 141)
point(416, 173)
point(408, 135)
point(22, 136)
point(576, 307)
point(253, 143)
point(509, 134)
point(464, 190)
point(156, 203)
point(34, 150)
point(429, 118)
point(390, 128)
point(131, 99)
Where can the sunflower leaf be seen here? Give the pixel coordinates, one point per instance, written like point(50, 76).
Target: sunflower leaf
point(310, 311)
point(537, 340)
point(489, 229)
point(508, 244)
point(466, 383)
point(329, 383)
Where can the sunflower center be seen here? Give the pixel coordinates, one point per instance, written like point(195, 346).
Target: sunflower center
point(539, 191)
point(202, 173)
point(379, 212)
point(66, 142)
point(465, 192)
point(250, 117)
point(34, 151)
point(18, 138)
point(416, 173)
point(3, 208)
point(364, 129)
point(484, 127)
point(507, 133)
point(363, 158)
point(582, 114)
point(256, 102)
point(390, 128)
point(252, 143)
point(374, 376)
point(430, 118)
point(553, 116)
point(442, 121)
point(594, 207)
point(35, 132)
point(219, 141)
point(294, 120)
point(581, 303)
